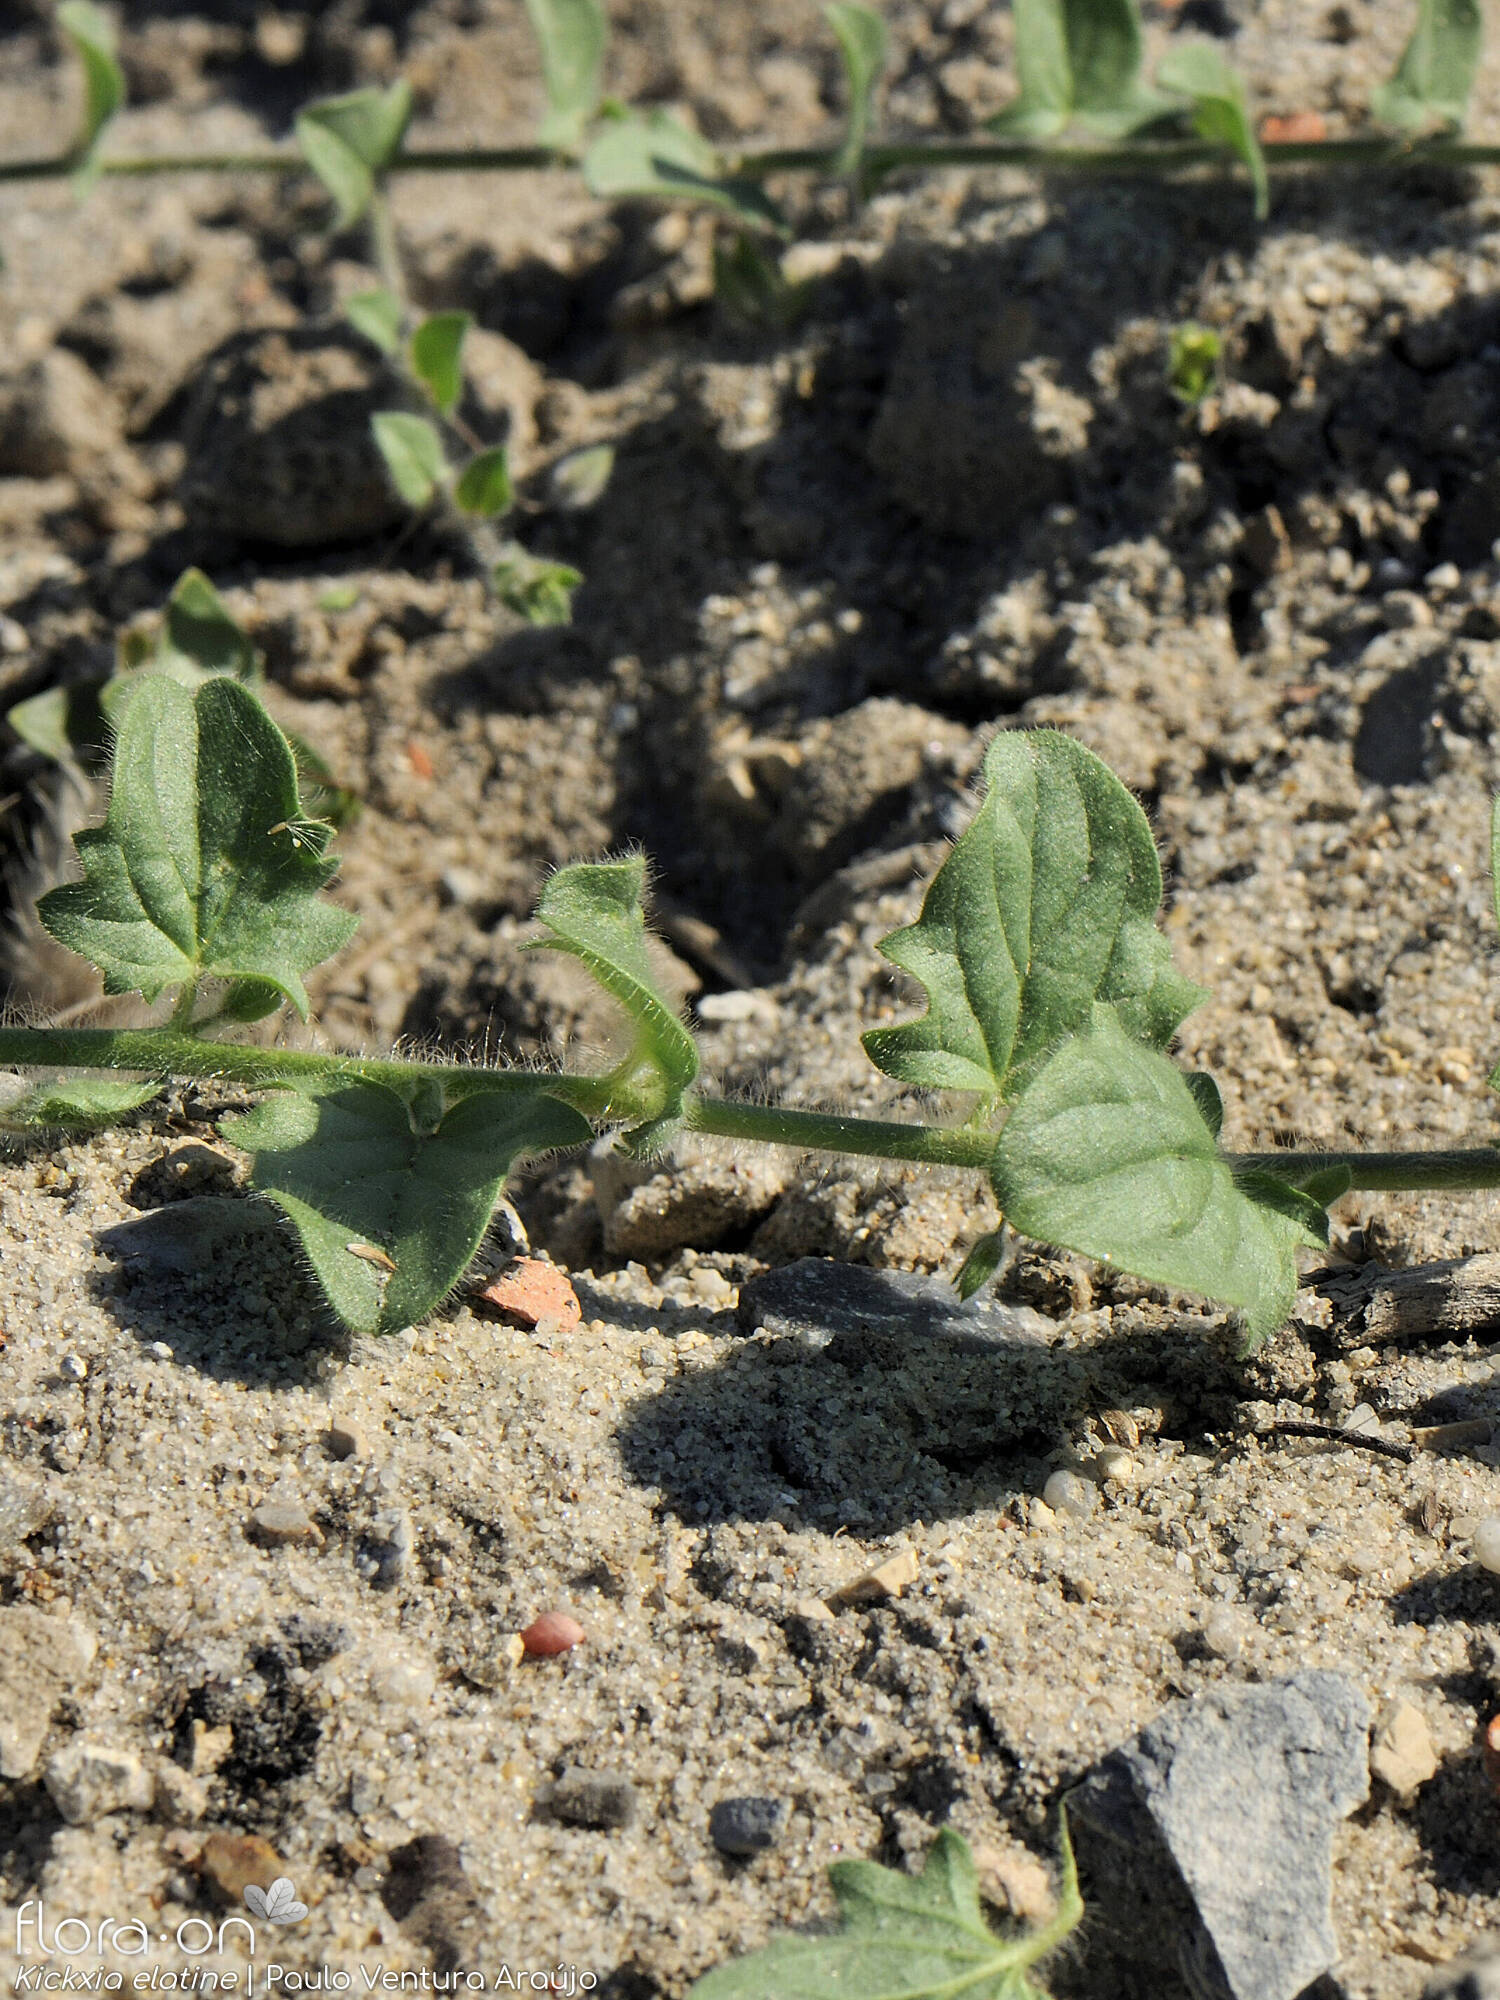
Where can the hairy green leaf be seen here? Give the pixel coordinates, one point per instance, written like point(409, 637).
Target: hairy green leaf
point(655, 156)
point(573, 35)
point(539, 590)
point(1436, 72)
point(483, 487)
point(413, 452)
point(377, 315)
point(75, 1104)
point(437, 357)
point(903, 1937)
point(593, 911)
point(1198, 70)
point(200, 629)
point(1079, 61)
point(981, 1264)
point(862, 42)
point(198, 870)
point(349, 142)
point(1047, 903)
point(1107, 1152)
point(92, 35)
point(390, 1204)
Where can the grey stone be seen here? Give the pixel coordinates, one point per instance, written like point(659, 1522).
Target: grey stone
point(817, 1298)
point(1475, 1976)
point(594, 1798)
point(87, 1779)
point(746, 1826)
point(1206, 1841)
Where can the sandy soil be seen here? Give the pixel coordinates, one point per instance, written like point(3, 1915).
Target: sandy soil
point(829, 563)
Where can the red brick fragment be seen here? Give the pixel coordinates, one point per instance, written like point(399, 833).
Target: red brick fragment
point(1294, 128)
point(529, 1290)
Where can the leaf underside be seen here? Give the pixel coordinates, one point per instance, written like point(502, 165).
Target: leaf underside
point(1198, 71)
point(1047, 903)
point(75, 1104)
point(1436, 72)
point(349, 141)
point(903, 1938)
point(353, 1168)
point(573, 35)
point(594, 911)
point(655, 156)
point(1079, 62)
point(195, 872)
point(1108, 1152)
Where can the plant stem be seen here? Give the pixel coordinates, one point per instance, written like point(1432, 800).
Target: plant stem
point(1149, 157)
point(170, 1052)
point(1382, 1173)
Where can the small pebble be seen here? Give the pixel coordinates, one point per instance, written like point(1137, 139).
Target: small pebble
point(1487, 1543)
point(653, 1356)
point(347, 1439)
point(886, 1579)
point(594, 1798)
point(230, 1862)
point(746, 1826)
point(74, 1367)
point(87, 1780)
point(180, 1797)
point(1401, 1752)
point(553, 1632)
point(1067, 1493)
point(159, 1351)
point(279, 1524)
point(1224, 1632)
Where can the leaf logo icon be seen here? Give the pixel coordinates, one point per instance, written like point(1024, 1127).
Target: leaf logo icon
point(276, 1905)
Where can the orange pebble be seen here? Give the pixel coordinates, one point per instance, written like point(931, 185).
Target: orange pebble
point(530, 1290)
point(1297, 128)
point(421, 764)
point(553, 1632)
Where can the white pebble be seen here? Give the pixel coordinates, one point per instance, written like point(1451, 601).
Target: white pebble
point(74, 1367)
point(1487, 1544)
point(1066, 1493)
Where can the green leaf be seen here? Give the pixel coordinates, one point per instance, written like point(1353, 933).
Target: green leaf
point(573, 35)
point(862, 42)
point(1046, 904)
point(1079, 60)
point(903, 1938)
point(349, 142)
point(1107, 1152)
point(377, 315)
point(75, 1104)
point(1436, 72)
point(654, 156)
point(413, 452)
point(483, 487)
point(198, 870)
point(751, 285)
point(437, 357)
point(981, 1264)
point(48, 722)
point(92, 35)
point(1198, 70)
point(593, 911)
point(200, 630)
point(539, 590)
point(372, 1181)
point(1193, 358)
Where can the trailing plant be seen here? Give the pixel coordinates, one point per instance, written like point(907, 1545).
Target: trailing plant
point(1052, 1002)
point(1079, 69)
point(904, 1937)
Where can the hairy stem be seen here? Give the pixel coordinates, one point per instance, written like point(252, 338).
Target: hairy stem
point(1382, 1173)
point(1150, 157)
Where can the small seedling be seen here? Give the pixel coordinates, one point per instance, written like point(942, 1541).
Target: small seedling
point(904, 1937)
point(1193, 359)
point(1052, 1004)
